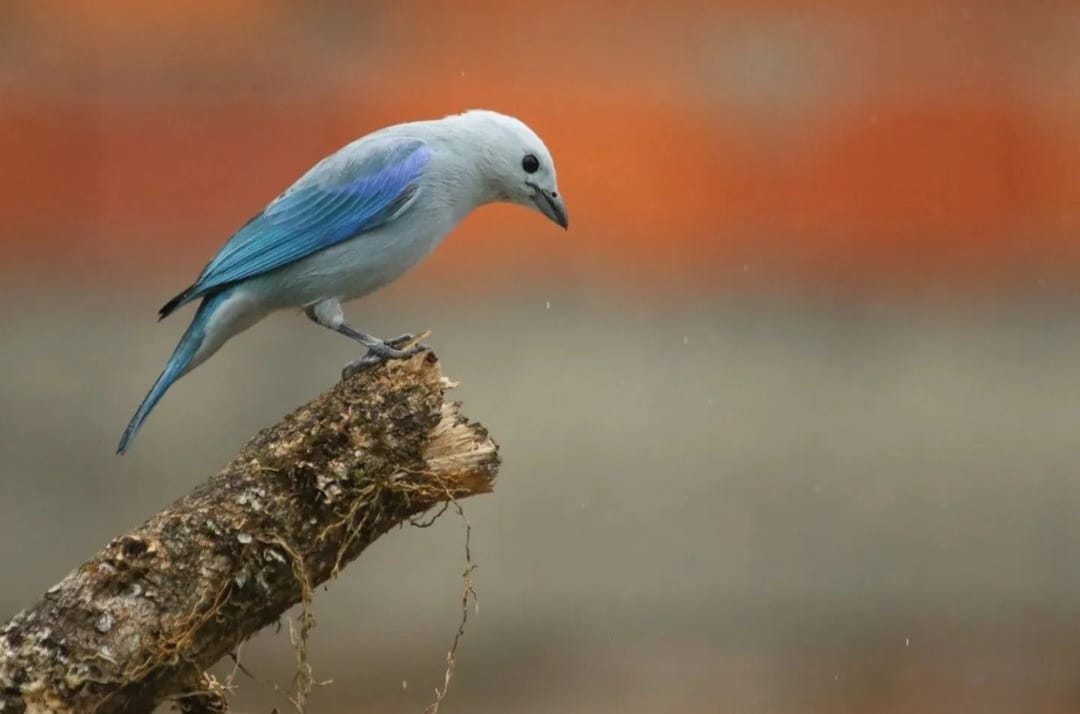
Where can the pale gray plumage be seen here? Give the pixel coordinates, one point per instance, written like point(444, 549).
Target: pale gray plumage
point(356, 221)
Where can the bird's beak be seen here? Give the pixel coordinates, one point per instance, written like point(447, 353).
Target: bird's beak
point(550, 204)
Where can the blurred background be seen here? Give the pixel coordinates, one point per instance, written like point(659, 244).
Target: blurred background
point(788, 416)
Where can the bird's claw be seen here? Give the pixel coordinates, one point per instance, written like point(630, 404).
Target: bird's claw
point(401, 341)
point(379, 353)
point(368, 361)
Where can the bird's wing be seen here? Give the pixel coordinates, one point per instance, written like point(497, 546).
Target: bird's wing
point(363, 186)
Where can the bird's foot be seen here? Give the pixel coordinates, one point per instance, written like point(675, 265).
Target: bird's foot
point(397, 348)
point(409, 343)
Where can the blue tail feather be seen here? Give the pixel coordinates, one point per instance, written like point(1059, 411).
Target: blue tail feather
point(181, 357)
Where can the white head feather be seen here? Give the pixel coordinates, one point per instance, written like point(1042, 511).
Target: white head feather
point(499, 158)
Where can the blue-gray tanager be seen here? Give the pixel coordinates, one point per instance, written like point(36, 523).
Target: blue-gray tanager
point(356, 221)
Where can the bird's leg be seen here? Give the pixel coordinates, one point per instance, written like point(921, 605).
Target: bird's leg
point(328, 313)
point(374, 344)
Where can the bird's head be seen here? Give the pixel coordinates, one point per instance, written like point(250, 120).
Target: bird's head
point(516, 164)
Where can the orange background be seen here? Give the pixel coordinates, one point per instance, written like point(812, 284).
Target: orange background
point(782, 144)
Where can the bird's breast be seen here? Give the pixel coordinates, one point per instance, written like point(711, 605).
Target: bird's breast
point(360, 265)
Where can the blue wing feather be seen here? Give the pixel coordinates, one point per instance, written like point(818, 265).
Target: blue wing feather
point(359, 188)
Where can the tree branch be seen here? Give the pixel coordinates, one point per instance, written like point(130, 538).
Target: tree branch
point(144, 619)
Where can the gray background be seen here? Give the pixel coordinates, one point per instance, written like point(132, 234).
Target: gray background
point(754, 505)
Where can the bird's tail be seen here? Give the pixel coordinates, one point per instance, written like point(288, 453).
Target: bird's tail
point(177, 365)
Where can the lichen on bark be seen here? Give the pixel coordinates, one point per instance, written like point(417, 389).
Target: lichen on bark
point(144, 619)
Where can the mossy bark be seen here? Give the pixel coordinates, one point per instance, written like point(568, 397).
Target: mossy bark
point(142, 621)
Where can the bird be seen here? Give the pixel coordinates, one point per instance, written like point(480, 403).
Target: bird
point(356, 221)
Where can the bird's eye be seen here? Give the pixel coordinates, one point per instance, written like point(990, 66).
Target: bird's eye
point(530, 163)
